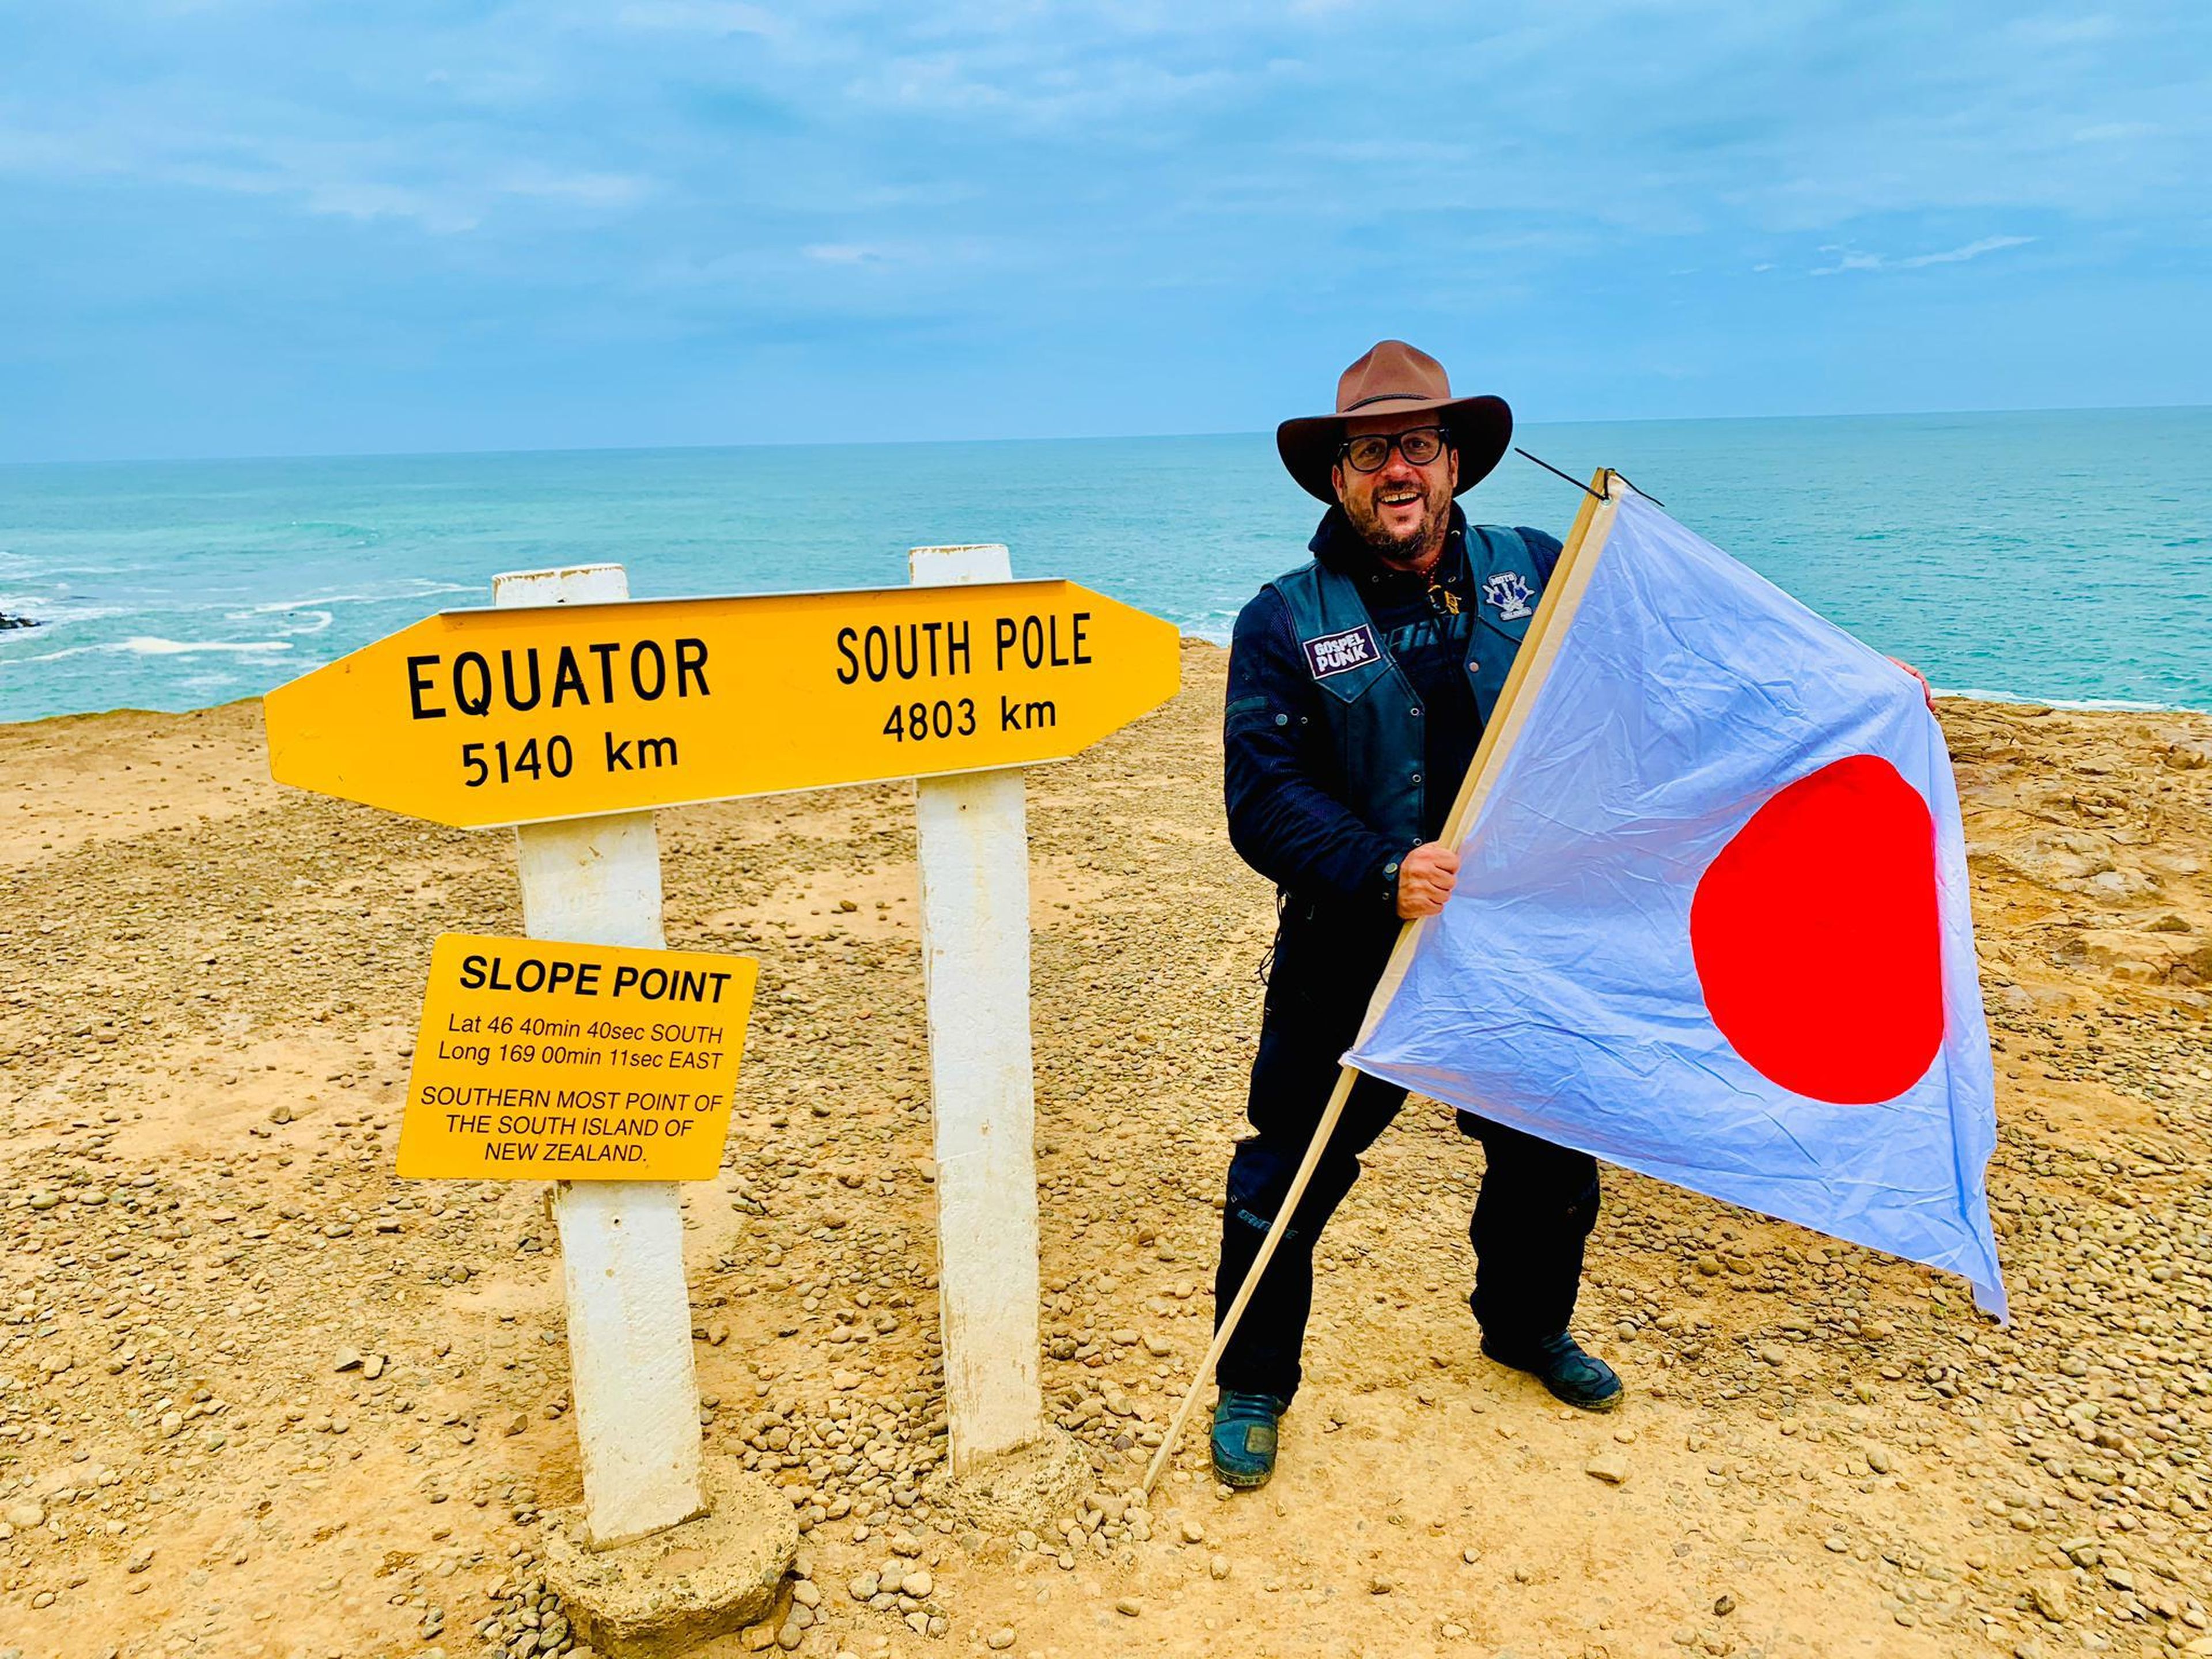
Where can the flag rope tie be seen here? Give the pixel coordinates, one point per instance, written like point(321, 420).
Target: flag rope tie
point(1609, 472)
point(1631, 482)
point(1556, 473)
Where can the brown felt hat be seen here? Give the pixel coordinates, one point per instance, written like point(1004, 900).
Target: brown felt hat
point(1397, 378)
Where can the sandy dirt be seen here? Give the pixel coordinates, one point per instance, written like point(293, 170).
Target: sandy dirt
point(257, 1398)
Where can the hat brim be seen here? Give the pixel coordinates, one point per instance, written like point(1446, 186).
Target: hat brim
point(1481, 428)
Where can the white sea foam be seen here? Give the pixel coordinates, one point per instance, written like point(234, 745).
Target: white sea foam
point(49, 613)
point(308, 621)
point(419, 587)
point(314, 616)
point(2092, 705)
point(149, 646)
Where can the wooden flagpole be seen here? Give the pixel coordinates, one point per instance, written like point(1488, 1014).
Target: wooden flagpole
point(1540, 647)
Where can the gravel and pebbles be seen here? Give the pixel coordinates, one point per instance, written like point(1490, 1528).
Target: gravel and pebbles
point(256, 1398)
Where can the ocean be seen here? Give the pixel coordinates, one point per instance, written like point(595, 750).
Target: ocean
point(2060, 556)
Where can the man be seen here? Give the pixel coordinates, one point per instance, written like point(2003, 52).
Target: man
point(1359, 686)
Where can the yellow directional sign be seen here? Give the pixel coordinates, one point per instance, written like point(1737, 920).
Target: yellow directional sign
point(538, 1060)
point(524, 715)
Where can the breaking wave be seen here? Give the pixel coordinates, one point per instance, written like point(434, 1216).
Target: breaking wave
point(147, 645)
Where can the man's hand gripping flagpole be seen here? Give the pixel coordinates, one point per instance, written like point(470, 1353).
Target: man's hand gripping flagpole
point(1561, 597)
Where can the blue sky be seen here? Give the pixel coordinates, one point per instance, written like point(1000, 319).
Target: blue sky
point(261, 228)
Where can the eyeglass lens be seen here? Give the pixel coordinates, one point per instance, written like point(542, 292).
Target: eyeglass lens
point(1419, 446)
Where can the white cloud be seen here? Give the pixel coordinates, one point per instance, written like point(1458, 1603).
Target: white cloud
point(598, 190)
point(1853, 259)
point(443, 186)
point(1959, 255)
point(366, 198)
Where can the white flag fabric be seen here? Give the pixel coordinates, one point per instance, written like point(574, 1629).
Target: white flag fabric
point(1711, 920)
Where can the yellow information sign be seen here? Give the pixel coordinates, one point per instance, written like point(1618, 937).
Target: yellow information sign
point(523, 714)
point(542, 1060)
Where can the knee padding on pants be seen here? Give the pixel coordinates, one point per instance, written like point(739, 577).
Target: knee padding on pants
point(1259, 1175)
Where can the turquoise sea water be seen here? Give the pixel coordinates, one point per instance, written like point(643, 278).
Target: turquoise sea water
point(2063, 557)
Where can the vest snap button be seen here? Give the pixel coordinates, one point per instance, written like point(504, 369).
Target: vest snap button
point(1416, 777)
point(1282, 720)
point(1415, 711)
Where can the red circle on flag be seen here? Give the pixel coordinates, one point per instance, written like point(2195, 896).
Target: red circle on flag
point(1817, 939)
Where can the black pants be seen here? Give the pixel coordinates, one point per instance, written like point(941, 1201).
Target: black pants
point(1537, 1205)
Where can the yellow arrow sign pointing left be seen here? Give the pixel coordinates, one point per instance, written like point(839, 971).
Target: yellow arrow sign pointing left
point(522, 715)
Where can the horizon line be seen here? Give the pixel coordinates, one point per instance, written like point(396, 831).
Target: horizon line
point(1066, 438)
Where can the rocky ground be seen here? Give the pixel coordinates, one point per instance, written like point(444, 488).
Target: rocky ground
point(257, 1398)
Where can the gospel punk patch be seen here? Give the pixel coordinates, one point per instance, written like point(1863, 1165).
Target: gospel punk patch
point(1334, 654)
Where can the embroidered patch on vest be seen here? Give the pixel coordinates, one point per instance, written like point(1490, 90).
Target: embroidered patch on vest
point(1508, 595)
point(1335, 654)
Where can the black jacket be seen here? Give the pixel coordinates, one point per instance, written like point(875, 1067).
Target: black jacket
point(1291, 816)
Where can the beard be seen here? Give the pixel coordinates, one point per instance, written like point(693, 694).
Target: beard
point(1366, 520)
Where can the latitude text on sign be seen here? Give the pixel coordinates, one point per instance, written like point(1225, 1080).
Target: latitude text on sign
point(573, 1061)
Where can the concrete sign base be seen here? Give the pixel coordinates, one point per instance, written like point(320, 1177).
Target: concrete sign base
point(662, 1595)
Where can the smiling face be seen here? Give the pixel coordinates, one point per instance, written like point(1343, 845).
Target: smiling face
point(1402, 511)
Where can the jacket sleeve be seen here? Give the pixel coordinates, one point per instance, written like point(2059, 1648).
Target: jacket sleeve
point(1279, 781)
point(1543, 550)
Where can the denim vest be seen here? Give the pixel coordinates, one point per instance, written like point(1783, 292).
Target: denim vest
point(1374, 718)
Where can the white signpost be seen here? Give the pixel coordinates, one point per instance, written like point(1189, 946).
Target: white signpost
point(588, 723)
point(597, 881)
point(974, 852)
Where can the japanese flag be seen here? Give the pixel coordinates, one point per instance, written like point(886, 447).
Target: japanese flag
point(1711, 918)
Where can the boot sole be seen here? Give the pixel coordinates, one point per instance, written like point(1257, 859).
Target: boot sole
point(1609, 1403)
point(1241, 1482)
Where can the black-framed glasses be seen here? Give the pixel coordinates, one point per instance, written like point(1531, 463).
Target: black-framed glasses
point(1372, 452)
